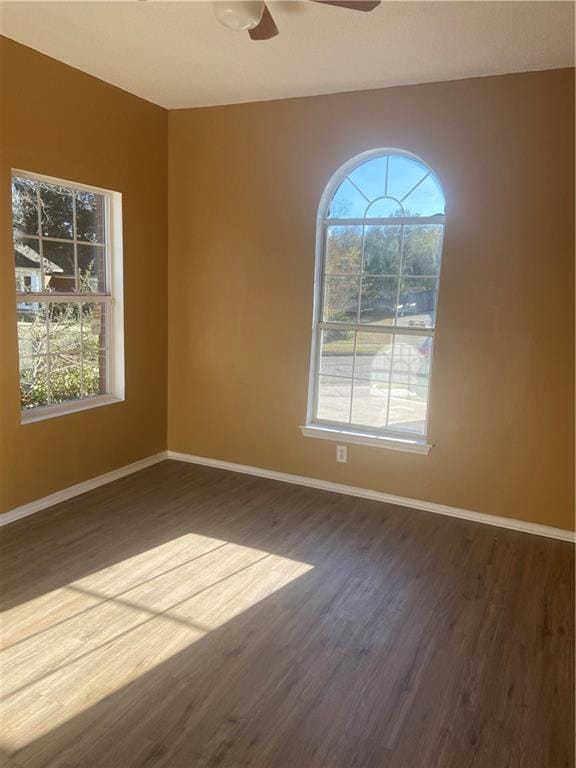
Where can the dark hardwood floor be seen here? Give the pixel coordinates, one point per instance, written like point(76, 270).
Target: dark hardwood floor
point(187, 616)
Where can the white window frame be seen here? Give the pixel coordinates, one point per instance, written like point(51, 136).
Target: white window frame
point(113, 297)
point(394, 439)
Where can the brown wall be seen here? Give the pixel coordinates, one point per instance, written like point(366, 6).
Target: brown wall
point(245, 182)
point(58, 121)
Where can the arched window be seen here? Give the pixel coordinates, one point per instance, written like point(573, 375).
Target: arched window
point(379, 245)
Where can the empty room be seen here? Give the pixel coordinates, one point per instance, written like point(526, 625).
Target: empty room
point(287, 384)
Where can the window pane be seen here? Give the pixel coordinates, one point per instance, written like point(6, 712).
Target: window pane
point(64, 328)
point(403, 174)
point(426, 200)
point(378, 300)
point(417, 305)
point(94, 327)
point(373, 356)
point(334, 399)
point(348, 202)
point(24, 207)
point(64, 377)
point(382, 250)
point(76, 363)
point(343, 250)
point(90, 217)
point(408, 408)
point(33, 381)
point(341, 299)
point(410, 381)
point(59, 266)
point(32, 330)
point(370, 177)
point(412, 355)
point(56, 211)
point(91, 269)
point(94, 372)
point(337, 352)
point(370, 403)
point(422, 248)
point(27, 261)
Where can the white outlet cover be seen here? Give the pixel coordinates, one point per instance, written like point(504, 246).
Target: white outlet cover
point(341, 454)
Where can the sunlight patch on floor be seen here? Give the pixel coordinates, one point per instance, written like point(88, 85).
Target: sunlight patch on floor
point(67, 650)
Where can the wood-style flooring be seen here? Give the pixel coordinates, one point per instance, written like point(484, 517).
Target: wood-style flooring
point(187, 616)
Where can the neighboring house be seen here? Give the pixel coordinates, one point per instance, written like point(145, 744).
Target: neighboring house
point(28, 273)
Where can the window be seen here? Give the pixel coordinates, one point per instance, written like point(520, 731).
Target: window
point(68, 261)
point(380, 232)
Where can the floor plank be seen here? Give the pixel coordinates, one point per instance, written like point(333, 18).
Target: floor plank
point(187, 616)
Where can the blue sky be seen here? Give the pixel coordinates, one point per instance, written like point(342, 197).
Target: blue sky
point(371, 179)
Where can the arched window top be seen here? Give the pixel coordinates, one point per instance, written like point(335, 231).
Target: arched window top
point(384, 184)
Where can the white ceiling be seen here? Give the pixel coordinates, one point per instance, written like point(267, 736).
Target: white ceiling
point(177, 55)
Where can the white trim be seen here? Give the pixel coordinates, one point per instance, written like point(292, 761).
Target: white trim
point(30, 415)
point(31, 297)
point(401, 330)
point(115, 276)
point(364, 438)
point(365, 493)
point(310, 482)
point(75, 241)
point(42, 177)
point(75, 490)
point(369, 221)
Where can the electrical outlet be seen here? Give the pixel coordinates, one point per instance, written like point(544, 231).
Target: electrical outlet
point(341, 454)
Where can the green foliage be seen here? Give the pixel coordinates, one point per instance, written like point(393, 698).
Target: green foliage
point(75, 361)
point(382, 250)
point(422, 248)
point(64, 384)
point(393, 256)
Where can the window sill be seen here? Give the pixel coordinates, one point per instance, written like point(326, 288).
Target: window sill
point(364, 438)
point(52, 411)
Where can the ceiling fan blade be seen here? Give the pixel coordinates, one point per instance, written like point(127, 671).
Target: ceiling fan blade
point(266, 27)
point(353, 5)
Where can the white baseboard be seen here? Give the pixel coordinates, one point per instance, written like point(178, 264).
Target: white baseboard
point(364, 493)
point(76, 490)
point(324, 485)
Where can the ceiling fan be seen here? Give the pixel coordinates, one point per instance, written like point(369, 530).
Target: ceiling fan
point(255, 17)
